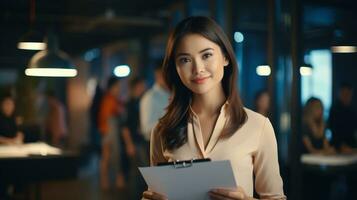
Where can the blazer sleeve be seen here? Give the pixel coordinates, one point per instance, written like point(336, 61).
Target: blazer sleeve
point(156, 148)
point(268, 182)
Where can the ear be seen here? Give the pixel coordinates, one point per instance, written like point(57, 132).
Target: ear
point(226, 61)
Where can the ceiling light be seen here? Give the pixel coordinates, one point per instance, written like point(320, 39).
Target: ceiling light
point(51, 62)
point(32, 40)
point(51, 72)
point(306, 70)
point(344, 49)
point(122, 71)
point(238, 37)
point(263, 70)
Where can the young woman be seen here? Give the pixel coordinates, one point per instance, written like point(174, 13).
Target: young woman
point(314, 128)
point(206, 118)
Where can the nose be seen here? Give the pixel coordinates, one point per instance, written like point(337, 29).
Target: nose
point(198, 66)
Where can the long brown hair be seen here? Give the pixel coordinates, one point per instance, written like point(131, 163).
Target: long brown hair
point(315, 124)
point(172, 126)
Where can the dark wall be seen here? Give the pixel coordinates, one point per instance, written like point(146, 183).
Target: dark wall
point(254, 54)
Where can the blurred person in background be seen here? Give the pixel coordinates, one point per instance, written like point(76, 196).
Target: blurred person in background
point(10, 134)
point(134, 152)
point(317, 185)
point(56, 123)
point(343, 124)
point(9, 131)
point(94, 110)
point(110, 109)
point(343, 121)
point(262, 103)
point(153, 103)
point(313, 128)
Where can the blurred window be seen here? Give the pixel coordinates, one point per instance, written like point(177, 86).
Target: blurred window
point(319, 83)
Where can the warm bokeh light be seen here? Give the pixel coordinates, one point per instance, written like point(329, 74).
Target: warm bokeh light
point(51, 72)
point(32, 45)
point(122, 71)
point(263, 70)
point(344, 49)
point(305, 71)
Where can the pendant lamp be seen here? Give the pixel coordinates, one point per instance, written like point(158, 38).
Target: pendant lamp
point(51, 62)
point(343, 42)
point(32, 40)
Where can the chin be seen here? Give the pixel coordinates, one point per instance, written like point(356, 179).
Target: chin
point(200, 90)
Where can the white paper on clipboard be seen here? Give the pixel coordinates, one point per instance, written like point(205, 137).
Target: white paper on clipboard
point(190, 182)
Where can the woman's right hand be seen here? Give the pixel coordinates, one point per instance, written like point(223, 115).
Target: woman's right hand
point(150, 195)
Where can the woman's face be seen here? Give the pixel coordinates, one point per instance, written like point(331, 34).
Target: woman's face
point(200, 63)
point(317, 108)
point(8, 107)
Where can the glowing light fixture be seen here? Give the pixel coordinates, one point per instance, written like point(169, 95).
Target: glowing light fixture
point(31, 45)
point(54, 72)
point(238, 37)
point(344, 49)
point(122, 71)
point(263, 70)
point(305, 71)
point(51, 62)
point(32, 40)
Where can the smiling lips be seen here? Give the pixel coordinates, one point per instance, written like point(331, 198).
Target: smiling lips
point(200, 80)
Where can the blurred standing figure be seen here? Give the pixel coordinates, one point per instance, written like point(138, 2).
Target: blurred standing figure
point(132, 136)
point(343, 120)
point(134, 152)
point(56, 124)
point(108, 124)
point(314, 128)
point(94, 109)
point(262, 103)
point(9, 132)
point(153, 103)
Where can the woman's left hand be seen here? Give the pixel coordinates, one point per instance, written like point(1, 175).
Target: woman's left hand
point(227, 194)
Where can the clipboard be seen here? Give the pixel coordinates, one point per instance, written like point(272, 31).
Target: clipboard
point(189, 179)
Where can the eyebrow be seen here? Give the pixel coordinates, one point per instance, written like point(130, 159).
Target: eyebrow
point(187, 54)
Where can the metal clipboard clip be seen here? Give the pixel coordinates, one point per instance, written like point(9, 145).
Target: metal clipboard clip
point(177, 164)
point(182, 164)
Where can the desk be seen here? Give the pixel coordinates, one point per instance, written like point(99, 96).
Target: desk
point(331, 164)
point(322, 173)
point(33, 163)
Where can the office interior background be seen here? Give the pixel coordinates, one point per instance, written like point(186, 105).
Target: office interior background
point(291, 48)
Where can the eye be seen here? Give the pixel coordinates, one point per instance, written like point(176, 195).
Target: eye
point(183, 60)
point(206, 55)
